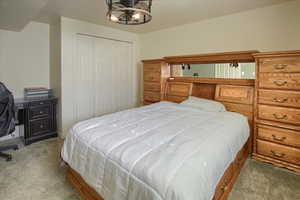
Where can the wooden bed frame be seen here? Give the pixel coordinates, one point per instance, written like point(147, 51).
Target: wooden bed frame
point(237, 97)
point(236, 94)
point(222, 191)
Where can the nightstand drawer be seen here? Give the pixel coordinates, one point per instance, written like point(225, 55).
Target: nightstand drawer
point(152, 76)
point(40, 126)
point(39, 111)
point(152, 67)
point(152, 96)
point(279, 135)
point(152, 86)
point(279, 152)
point(282, 64)
point(281, 114)
point(40, 103)
point(280, 80)
point(279, 97)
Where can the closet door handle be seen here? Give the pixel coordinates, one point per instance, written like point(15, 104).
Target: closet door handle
point(280, 66)
point(280, 100)
point(281, 139)
point(280, 83)
point(279, 155)
point(279, 117)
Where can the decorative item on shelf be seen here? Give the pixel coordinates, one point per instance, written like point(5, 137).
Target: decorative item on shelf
point(37, 92)
point(234, 64)
point(129, 12)
point(189, 66)
point(183, 67)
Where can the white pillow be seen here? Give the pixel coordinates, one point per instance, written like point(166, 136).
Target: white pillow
point(204, 104)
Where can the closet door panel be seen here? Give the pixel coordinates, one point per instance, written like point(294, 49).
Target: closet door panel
point(83, 83)
point(113, 77)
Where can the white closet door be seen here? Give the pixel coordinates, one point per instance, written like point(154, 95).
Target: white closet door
point(83, 79)
point(104, 77)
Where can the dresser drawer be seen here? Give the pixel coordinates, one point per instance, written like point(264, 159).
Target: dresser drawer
point(280, 80)
point(39, 111)
point(152, 86)
point(279, 97)
point(152, 76)
point(281, 114)
point(282, 64)
point(152, 96)
point(152, 67)
point(40, 103)
point(279, 135)
point(39, 127)
point(277, 151)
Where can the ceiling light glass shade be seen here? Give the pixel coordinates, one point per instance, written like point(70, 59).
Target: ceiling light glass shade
point(129, 12)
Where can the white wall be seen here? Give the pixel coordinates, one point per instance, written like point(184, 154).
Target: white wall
point(69, 30)
point(265, 29)
point(24, 57)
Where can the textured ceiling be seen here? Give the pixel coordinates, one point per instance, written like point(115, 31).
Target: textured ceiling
point(166, 13)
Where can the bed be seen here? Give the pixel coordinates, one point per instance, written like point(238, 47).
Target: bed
point(164, 151)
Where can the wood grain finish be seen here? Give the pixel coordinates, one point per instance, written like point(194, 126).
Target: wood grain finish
point(279, 135)
point(152, 96)
point(277, 113)
point(290, 81)
point(246, 110)
point(152, 76)
point(155, 74)
point(85, 191)
point(222, 190)
point(152, 86)
point(281, 64)
point(220, 81)
point(235, 94)
point(179, 89)
point(238, 56)
point(279, 98)
point(281, 114)
point(279, 152)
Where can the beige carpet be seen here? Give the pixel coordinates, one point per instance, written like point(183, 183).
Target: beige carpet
point(35, 174)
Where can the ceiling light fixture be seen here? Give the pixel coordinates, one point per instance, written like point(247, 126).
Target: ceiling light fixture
point(129, 12)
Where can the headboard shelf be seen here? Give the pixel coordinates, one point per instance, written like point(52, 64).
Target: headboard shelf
point(225, 81)
point(225, 57)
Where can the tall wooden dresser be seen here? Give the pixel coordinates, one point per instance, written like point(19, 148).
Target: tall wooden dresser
point(156, 73)
point(277, 109)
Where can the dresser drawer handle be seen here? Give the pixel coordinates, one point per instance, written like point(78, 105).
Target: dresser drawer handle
point(280, 100)
point(41, 103)
point(279, 155)
point(279, 117)
point(41, 126)
point(280, 66)
point(278, 139)
point(280, 83)
point(41, 112)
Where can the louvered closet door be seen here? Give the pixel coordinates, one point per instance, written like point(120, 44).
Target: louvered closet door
point(107, 74)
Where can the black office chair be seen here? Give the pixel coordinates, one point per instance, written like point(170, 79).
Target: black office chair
point(7, 119)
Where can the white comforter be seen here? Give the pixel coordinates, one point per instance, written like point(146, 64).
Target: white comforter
point(163, 151)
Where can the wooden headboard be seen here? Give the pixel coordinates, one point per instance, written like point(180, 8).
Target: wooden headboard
point(237, 95)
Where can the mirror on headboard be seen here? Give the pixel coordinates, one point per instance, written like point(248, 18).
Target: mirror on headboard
point(215, 70)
